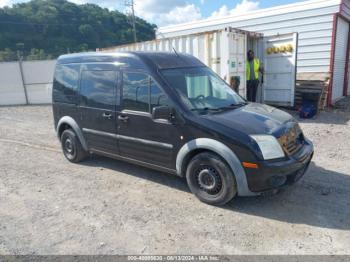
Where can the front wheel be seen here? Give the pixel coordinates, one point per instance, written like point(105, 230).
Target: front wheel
point(71, 146)
point(210, 179)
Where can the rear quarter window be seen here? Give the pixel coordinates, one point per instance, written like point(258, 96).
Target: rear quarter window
point(65, 84)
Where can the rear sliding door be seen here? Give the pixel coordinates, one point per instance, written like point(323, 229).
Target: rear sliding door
point(97, 106)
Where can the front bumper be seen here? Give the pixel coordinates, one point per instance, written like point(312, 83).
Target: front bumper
point(275, 174)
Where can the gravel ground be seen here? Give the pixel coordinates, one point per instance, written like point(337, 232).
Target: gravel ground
point(103, 206)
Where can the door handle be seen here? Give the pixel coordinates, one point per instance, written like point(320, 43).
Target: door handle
point(107, 115)
point(123, 118)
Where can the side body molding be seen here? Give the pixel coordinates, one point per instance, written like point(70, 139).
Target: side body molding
point(223, 151)
point(70, 121)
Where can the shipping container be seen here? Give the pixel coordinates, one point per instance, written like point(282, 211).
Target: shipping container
point(225, 51)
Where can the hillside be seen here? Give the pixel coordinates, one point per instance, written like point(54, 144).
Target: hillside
point(42, 29)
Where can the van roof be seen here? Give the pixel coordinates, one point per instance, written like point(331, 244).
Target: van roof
point(160, 60)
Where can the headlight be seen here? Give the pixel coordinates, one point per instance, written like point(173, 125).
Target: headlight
point(269, 146)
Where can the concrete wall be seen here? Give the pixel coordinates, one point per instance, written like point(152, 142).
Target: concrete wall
point(11, 85)
point(28, 82)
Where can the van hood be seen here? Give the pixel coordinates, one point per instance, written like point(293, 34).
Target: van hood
point(253, 118)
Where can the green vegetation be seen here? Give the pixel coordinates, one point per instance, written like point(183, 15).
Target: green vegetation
point(45, 29)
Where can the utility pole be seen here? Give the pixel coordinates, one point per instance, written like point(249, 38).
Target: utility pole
point(130, 4)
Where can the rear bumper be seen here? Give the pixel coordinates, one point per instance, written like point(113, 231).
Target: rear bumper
point(275, 174)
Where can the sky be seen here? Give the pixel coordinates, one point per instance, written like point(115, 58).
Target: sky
point(169, 12)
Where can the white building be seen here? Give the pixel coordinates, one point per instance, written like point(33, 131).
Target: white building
point(323, 37)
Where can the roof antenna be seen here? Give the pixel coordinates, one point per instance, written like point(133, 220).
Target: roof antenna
point(175, 52)
point(172, 46)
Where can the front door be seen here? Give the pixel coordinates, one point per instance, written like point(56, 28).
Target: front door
point(280, 69)
point(97, 106)
point(139, 136)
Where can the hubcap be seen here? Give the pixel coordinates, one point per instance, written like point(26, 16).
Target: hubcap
point(69, 146)
point(209, 180)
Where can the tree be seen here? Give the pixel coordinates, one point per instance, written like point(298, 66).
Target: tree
point(36, 54)
point(7, 55)
point(55, 26)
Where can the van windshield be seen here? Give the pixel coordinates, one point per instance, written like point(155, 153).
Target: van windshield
point(202, 90)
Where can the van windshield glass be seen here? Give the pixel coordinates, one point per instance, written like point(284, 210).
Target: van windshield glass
point(202, 90)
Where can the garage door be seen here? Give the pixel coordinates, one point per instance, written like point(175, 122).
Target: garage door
point(340, 59)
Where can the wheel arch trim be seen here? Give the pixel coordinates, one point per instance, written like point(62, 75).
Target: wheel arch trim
point(222, 150)
point(71, 122)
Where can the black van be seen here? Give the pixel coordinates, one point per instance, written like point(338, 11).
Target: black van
point(170, 112)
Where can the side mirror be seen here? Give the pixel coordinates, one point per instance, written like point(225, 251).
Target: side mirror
point(162, 112)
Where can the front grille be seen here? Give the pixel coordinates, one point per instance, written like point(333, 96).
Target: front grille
point(292, 140)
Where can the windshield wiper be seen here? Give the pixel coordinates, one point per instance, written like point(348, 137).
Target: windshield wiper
point(234, 106)
point(205, 109)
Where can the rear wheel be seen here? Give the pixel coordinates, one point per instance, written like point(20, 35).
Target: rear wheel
point(71, 146)
point(210, 179)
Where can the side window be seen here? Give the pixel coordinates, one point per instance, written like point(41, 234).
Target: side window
point(158, 98)
point(141, 93)
point(136, 91)
point(65, 83)
point(98, 89)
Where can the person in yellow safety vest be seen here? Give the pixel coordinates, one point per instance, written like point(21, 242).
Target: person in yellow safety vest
point(253, 68)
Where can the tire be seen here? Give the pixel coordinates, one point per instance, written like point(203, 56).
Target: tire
point(71, 146)
point(210, 179)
